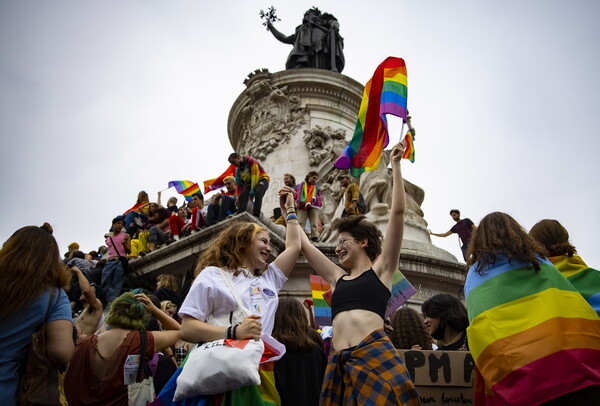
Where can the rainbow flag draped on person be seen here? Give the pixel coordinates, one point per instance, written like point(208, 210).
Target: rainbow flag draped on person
point(532, 336)
point(585, 279)
point(385, 93)
point(217, 183)
point(185, 187)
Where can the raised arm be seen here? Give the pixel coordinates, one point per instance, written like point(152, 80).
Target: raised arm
point(387, 263)
point(316, 259)
point(172, 329)
point(86, 289)
point(320, 263)
point(287, 259)
point(279, 36)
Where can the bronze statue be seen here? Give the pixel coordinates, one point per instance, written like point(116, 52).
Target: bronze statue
point(316, 43)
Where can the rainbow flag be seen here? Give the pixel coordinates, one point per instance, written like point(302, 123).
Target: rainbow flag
point(217, 183)
point(321, 307)
point(185, 187)
point(402, 290)
point(585, 279)
point(532, 336)
point(385, 93)
point(409, 151)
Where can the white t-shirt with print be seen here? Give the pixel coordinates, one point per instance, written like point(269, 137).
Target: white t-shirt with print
point(210, 294)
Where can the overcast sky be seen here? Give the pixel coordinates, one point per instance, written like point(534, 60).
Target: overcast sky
point(101, 99)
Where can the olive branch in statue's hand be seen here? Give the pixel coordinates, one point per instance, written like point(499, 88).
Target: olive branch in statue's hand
point(269, 16)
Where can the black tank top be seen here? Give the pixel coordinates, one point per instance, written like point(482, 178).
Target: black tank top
point(365, 292)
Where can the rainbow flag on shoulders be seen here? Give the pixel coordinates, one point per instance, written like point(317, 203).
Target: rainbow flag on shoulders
point(385, 93)
point(585, 279)
point(186, 188)
point(532, 335)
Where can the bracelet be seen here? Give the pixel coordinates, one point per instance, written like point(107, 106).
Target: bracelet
point(291, 216)
point(228, 333)
point(233, 332)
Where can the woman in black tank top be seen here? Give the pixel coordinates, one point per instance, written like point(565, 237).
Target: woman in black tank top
point(358, 304)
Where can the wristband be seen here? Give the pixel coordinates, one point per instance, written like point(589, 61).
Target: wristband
point(228, 333)
point(233, 333)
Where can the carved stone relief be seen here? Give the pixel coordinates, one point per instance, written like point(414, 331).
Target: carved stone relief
point(270, 117)
point(324, 144)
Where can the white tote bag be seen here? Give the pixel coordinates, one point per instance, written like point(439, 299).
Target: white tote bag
point(141, 392)
point(221, 365)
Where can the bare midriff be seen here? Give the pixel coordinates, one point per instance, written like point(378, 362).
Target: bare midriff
point(352, 326)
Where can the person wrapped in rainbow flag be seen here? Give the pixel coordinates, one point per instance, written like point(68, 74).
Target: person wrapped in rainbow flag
point(533, 337)
point(308, 200)
point(555, 238)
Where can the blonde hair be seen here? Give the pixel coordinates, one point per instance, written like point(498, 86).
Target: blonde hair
point(166, 305)
point(168, 281)
point(229, 247)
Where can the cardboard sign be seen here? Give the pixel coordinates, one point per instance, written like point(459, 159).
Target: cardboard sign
point(441, 377)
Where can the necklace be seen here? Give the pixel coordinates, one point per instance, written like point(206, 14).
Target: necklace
point(458, 336)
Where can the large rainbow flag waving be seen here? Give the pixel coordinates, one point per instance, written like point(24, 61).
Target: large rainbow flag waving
point(532, 335)
point(185, 187)
point(385, 93)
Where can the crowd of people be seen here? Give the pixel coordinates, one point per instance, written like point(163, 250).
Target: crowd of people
point(530, 322)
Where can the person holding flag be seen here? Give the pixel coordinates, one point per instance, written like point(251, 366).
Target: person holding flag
point(364, 368)
point(252, 182)
point(222, 203)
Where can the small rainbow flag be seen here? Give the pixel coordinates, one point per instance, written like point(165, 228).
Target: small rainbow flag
point(217, 183)
point(321, 307)
point(532, 335)
point(409, 151)
point(185, 187)
point(385, 93)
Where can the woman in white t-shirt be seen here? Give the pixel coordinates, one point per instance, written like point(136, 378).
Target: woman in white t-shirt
point(242, 250)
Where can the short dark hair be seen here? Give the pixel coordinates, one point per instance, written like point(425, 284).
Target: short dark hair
point(455, 211)
point(233, 155)
point(310, 174)
point(117, 219)
point(292, 177)
point(199, 194)
point(449, 309)
point(361, 229)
